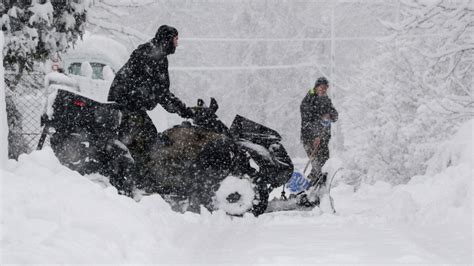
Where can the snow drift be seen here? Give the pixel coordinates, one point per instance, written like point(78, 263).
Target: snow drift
point(51, 214)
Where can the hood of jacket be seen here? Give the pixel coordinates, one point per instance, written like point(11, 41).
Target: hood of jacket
point(164, 38)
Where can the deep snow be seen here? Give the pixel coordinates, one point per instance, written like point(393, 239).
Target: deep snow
point(51, 214)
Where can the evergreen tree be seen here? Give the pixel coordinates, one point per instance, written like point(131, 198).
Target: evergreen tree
point(36, 30)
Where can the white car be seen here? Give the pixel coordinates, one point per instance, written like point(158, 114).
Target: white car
point(93, 63)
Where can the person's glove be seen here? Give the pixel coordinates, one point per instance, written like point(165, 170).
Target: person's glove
point(326, 122)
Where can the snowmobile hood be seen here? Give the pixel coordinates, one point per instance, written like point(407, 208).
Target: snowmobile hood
point(164, 38)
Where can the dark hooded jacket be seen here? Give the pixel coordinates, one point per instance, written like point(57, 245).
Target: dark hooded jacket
point(143, 82)
point(312, 108)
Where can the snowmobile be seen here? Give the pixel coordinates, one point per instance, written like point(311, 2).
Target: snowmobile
point(197, 163)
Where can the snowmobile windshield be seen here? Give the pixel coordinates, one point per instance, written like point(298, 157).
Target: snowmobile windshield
point(247, 129)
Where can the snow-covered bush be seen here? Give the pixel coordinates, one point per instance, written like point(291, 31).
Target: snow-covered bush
point(443, 194)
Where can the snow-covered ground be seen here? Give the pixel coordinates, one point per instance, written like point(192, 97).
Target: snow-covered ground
point(51, 214)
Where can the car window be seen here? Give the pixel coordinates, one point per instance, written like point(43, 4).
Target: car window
point(97, 70)
point(75, 69)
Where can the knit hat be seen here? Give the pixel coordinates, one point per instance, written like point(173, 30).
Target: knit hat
point(321, 81)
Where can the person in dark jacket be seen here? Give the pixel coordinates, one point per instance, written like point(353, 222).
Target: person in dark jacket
point(140, 85)
point(317, 114)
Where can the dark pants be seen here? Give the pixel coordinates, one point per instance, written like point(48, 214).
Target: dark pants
point(139, 134)
point(319, 158)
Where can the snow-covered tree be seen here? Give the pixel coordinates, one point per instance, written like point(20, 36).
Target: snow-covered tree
point(380, 117)
point(34, 30)
point(410, 99)
point(439, 37)
point(38, 29)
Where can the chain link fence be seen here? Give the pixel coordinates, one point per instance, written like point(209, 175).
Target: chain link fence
point(25, 105)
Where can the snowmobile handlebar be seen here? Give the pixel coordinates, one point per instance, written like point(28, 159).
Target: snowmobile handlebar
point(206, 116)
point(202, 111)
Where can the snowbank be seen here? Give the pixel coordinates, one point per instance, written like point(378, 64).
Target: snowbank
point(51, 214)
point(442, 196)
point(455, 151)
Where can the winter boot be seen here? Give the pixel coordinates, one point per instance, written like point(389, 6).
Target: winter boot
point(304, 201)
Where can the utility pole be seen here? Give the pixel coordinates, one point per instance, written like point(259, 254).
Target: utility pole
point(338, 144)
point(331, 64)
